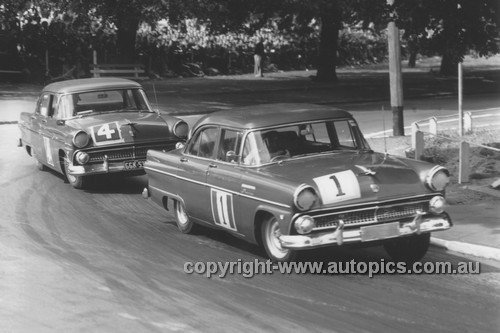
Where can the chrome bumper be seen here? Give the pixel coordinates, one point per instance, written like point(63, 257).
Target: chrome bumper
point(355, 235)
point(100, 168)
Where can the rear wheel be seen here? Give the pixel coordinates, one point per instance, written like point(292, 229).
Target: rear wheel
point(184, 223)
point(75, 181)
point(408, 249)
point(270, 233)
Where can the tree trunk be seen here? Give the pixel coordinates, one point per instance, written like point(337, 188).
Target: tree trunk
point(127, 22)
point(449, 64)
point(329, 35)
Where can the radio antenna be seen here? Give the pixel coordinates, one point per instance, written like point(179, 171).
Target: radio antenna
point(156, 99)
point(383, 126)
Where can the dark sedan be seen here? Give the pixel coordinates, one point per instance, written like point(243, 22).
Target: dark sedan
point(86, 127)
point(293, 177)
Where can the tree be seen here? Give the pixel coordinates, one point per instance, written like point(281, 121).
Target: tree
point(451, 28)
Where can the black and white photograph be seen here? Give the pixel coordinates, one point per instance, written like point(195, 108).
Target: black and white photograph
point(249, 166)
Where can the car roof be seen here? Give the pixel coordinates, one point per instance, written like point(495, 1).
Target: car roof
point(78, 85)
point(268, 115)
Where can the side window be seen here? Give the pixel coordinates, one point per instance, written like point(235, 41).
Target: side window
point(203, 144)
point(65, 107)
point(229, 141)
point(344, 134)
point(45, 107)
point(315, 132)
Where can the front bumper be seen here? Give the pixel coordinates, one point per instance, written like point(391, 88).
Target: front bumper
point(340, 236)
point(104, 167)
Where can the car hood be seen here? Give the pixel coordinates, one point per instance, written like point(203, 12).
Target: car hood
point(123, 127)
point(351, 177)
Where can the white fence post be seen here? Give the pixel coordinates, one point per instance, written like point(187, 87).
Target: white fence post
point(463, 161)
point(468, 122)
point(433, 124)
point(418, 144)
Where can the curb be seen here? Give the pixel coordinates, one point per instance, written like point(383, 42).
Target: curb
point(480, 251)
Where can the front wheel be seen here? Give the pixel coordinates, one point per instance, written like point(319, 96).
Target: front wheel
point(408, 249)
point(184, 223)
point(75, 181)
point(270, 232)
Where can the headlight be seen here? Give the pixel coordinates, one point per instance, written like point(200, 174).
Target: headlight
point(82, 157)
point(181, 129)
point(437, 178)
point(436, 205)
point(304, 197)
point(304, 224)
point(81, 139)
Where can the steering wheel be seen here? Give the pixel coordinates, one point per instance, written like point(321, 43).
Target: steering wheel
point(280, 154)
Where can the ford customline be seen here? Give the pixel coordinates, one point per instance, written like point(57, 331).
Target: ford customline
point(293, 177)
point(96, 126)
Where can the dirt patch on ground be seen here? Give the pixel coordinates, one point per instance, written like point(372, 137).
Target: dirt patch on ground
point(444, 150)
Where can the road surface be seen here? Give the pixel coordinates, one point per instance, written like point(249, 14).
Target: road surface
point(106, 260)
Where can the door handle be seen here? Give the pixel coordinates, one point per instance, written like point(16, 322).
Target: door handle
point(184, 159)
point(212, 165)
point(33, 117)
point(44, 120)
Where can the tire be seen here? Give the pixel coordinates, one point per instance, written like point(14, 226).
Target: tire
point(408, 249)
point(184, 223)
point(78, 182)
point(269, 234)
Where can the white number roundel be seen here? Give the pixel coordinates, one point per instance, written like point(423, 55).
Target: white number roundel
point(339, 186)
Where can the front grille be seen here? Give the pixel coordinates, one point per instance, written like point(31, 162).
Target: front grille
point(125, 153)
point(370, 215)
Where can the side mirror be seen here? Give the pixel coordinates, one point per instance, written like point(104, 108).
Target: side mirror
point(232, 157)
point(60, 122)
point(180, 145)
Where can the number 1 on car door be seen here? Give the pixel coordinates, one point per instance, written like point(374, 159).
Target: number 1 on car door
point(222, 209)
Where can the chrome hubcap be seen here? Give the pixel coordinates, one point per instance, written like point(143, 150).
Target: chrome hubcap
point(181, 214)
point(272, 237)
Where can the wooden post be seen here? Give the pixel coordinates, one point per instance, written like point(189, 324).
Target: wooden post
point(433, 123)
point(94, 58)
point(395, 76)
point(460, 97)
point(418, 144)
point(463, 163)
point(468, 122)
point(47, 69)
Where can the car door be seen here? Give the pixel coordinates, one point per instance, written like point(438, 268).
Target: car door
point(224, 183)
point(38, 128)
point(47, 123)
point(195, 162)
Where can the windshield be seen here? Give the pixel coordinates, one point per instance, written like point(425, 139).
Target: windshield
point(271, 145)
point(91, 102)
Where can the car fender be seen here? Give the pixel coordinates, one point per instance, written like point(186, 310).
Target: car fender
point(283, 216)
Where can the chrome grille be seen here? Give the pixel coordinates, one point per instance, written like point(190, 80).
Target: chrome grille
point(370, 215)
point(125, 153)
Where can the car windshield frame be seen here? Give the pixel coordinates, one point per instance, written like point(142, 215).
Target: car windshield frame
point(95, 102)
point(255, 150)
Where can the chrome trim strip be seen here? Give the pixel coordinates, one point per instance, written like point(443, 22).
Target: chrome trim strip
point(248, 187)
point(218, 188)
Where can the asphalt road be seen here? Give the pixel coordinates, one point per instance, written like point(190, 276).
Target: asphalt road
point(106, 260)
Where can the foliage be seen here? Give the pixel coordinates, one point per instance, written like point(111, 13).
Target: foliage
point(299, 34)
point(450, 28)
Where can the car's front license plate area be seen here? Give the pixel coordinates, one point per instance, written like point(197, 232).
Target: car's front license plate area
point(380, 231)
point(132, 165)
